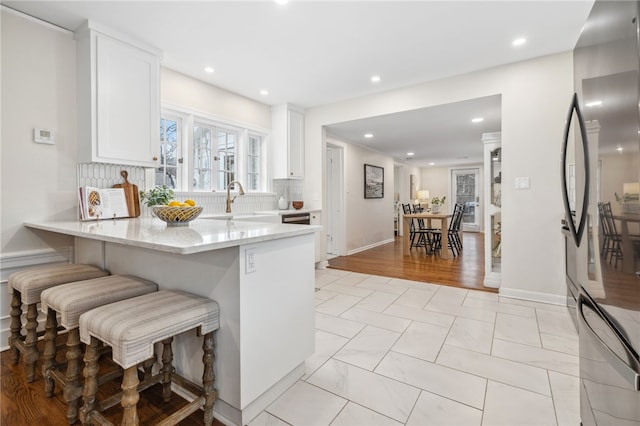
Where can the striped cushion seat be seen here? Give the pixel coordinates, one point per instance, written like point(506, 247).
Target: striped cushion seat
point(73, 299)
point(31, 282)
point(132, 326)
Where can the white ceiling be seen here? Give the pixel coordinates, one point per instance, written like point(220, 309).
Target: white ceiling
point(313, 53)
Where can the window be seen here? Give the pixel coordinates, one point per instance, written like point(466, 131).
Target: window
point(219, 154)
point(167, 173)
point(254, 160)
point(227, 142)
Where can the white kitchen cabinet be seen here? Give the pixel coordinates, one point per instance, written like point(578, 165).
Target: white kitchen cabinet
point(118, 99)
point(287, 142)
point(493, 206)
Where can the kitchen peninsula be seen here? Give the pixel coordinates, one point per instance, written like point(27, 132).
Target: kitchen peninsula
point(261, 274)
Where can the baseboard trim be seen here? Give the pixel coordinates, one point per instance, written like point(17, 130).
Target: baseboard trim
point(533, 296)
point(15, 261)
point(370, 246)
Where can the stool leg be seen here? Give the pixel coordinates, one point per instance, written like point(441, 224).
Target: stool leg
point(167, 368)
point(90, 372)
point(72, 389)
point(130, 396)
point(147, 367)
point(31, 355)
point(49, 356)
point(16, 325)
point(208, 378)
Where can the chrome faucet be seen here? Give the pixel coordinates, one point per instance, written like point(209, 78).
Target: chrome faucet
point(229, 199)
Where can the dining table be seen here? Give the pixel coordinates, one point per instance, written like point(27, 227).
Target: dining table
point(628, 254)
point(428, 217)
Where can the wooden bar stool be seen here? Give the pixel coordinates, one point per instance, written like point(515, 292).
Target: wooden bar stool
point(132, 327)
point(70, 301)
point(26, 287)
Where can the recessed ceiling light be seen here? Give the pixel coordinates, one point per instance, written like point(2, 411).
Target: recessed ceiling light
point(410, 154)
point(593, 104)
point(477, 120)
point(519, 41)
point(264, 92)
point(368, 135)
point(619, 149)
point(282, 2)
point(209, 69)
point(432, 164)
point(375, 79)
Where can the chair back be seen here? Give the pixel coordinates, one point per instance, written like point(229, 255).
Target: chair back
point(610, 224)
point(456, 218)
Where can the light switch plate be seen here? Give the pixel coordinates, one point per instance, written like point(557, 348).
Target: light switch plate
point(522, 183)
point(250, 260)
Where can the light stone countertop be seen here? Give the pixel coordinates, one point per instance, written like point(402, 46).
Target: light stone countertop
point(200, 235)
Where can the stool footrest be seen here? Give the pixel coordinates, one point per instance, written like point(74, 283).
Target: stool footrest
point(114, 400)
point(183, 413)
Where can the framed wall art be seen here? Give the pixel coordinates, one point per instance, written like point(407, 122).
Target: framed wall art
point(373, 181)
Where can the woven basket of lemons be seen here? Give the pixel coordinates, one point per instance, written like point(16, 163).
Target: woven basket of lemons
point(177, 213)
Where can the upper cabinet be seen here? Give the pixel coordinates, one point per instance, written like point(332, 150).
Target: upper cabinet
point(287, 141)
point(118, 99)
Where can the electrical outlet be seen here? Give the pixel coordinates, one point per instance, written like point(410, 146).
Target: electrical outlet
point(250, 261)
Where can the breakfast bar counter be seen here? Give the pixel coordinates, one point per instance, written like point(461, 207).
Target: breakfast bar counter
point(261, 274)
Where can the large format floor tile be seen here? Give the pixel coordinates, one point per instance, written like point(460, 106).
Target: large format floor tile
point(382, 394)
point(395, 352)
point(508, 406)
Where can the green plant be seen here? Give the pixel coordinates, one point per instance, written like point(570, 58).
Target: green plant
point(438, 201)
point(158, 196)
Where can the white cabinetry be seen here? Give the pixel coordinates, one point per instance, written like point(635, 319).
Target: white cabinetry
point(493, 205)
point(287, 142)
point(118, 99)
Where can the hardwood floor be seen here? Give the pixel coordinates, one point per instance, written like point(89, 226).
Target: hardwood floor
point(25, 404)
point(467, 270)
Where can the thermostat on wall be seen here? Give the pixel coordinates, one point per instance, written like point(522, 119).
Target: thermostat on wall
point(43, 136)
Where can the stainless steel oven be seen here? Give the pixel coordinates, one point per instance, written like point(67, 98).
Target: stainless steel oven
point(297, 218)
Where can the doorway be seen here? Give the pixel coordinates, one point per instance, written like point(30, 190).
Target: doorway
point(335, 201)
point(465, 188)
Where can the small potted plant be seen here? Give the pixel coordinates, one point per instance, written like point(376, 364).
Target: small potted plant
point(436, 203)
point(158, 196)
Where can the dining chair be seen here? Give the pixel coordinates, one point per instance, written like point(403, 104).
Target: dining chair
point(612, 237)
point(454, 242)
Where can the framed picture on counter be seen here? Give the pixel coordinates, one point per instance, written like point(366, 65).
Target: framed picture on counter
point(373, 181)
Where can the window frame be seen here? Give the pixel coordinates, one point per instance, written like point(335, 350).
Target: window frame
point(243, 131)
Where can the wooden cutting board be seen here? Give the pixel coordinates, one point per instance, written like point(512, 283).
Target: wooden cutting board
point(131, 194)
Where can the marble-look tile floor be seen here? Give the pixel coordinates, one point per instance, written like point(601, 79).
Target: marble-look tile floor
point(398, 352)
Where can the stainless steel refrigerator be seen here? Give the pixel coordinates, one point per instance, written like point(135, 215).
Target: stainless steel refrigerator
point(601, 180)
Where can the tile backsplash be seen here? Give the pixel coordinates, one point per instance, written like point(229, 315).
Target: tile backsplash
point(106, 175)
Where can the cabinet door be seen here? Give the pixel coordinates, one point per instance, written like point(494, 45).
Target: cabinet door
point(127, 104)
point(296, 144)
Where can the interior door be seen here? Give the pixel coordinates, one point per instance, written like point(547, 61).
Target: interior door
point(465, 185)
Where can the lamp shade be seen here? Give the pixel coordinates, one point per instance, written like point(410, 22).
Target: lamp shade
point(423, 195)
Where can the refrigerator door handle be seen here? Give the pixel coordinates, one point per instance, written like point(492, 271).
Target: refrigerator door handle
point(612, 358)
point(576, 232)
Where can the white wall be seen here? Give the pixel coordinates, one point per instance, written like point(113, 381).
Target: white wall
point(180, 90)
point(38, 90)
point(437, 181)
point(368, 222)
point(535, 99)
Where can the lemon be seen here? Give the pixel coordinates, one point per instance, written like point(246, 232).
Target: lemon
point(190, 202)
point(174, 203)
